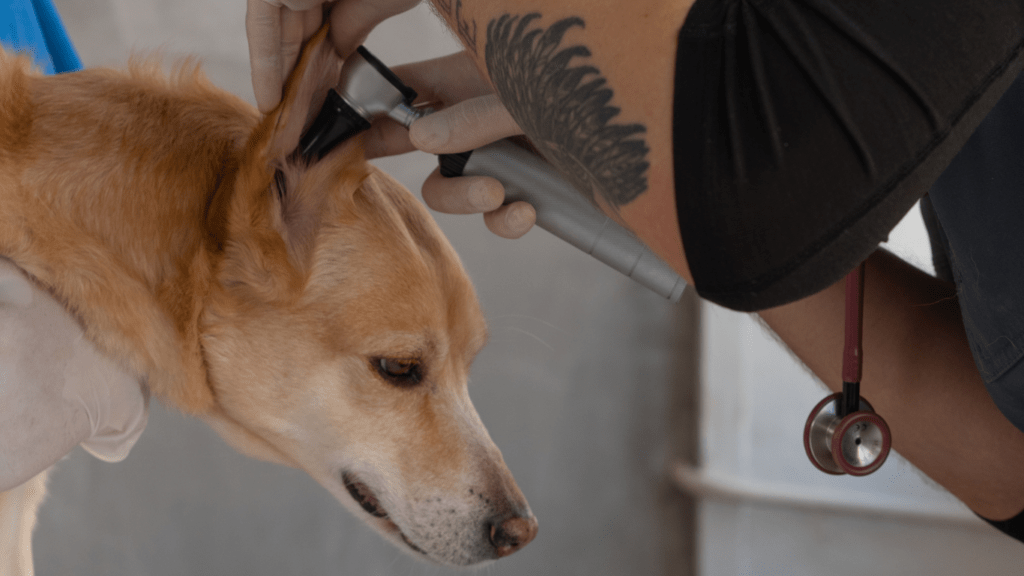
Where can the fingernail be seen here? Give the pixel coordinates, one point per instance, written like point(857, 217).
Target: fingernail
point(428, 133)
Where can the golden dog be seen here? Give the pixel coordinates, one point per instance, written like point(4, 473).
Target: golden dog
point(313, 314)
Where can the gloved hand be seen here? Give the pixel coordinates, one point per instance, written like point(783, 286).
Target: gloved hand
point(56, 389)
point(276, 30)
point(469, 115)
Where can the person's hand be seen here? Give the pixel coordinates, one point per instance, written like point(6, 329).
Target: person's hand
point(56, 389)
point(469, 115)
point(276, 30)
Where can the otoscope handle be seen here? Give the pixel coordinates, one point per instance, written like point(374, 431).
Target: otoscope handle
point(564, 212)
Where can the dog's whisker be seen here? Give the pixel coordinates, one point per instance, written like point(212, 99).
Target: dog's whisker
point(526, 317)
point(394, 560)
point(528, 333)
point(428, 569)
point(413, 568)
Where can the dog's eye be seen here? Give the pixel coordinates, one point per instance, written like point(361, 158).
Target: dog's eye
point(400, 371)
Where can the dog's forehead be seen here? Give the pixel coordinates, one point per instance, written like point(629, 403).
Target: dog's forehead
point(390, 269)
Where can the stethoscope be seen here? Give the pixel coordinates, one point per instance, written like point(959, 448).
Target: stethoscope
point(843, 434)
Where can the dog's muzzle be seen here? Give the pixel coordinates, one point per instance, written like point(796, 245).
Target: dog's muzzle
point(506, 533)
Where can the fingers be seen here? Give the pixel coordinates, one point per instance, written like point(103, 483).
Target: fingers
point(312, 19)
point(300, 5)
point(276, 34)
point(276, 30)
point(386, 138)
point(465, 195)
point(471, 115)
point(464, 126)
point(292, 31)
point(511, 221)
point(443, 82)
point(448, 79)
point(263, 29)
point(472, 194)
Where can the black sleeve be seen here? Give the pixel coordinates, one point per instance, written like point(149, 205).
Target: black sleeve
point(805, 129)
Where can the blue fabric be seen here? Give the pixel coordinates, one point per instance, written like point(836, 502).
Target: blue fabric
point(34, 26)
point(979, 201)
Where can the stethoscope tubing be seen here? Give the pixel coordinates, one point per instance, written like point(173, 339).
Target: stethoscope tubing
point(853, 341)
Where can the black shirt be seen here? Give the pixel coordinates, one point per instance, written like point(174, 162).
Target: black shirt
point(805, 129)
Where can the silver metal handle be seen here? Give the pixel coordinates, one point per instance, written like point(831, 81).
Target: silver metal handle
point(564, 212)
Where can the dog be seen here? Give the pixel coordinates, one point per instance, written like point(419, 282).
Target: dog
point(312, 313)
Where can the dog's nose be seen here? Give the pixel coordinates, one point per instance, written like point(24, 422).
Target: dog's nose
point(509, 534)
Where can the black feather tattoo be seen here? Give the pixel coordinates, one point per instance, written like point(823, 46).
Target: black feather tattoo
point(563, 107)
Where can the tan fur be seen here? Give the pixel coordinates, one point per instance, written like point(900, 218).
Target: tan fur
point(149, 207)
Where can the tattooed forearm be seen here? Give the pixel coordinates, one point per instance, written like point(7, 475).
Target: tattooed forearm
point(465, 28)
point(563, 107)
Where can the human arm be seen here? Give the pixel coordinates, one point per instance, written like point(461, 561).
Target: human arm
point(920, 376)
point(629, 157)
point(800, 134)
point(56, 390)
point(466, 104)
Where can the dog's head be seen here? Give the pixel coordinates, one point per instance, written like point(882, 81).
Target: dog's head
point(339, 337)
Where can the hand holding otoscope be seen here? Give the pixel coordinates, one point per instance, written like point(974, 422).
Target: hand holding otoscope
point(368, 90)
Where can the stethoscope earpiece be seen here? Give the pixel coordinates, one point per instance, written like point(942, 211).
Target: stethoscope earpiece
point(843, 434)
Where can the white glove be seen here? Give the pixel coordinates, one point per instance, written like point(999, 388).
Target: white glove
point(56, 389)
point(276, 30)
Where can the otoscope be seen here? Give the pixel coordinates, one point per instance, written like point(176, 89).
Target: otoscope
point(368, 90)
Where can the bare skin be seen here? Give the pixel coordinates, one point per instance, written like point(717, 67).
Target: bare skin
point(638, 75)
point(920, 376)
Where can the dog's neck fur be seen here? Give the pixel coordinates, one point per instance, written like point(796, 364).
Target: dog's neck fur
point(91, 176)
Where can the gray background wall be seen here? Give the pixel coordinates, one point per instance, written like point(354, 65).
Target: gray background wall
point(576, 387)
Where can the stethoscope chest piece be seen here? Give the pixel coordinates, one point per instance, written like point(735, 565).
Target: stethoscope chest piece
point(856, 444)
point(843, 434)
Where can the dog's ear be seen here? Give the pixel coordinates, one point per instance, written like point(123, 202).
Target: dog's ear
point(299, 205)
point(317, 70)
point(279, 195)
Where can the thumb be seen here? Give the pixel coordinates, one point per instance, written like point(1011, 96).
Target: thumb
point(263, 30)
point(464, 126)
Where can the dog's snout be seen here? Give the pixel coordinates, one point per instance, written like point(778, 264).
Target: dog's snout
point(509, 534)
